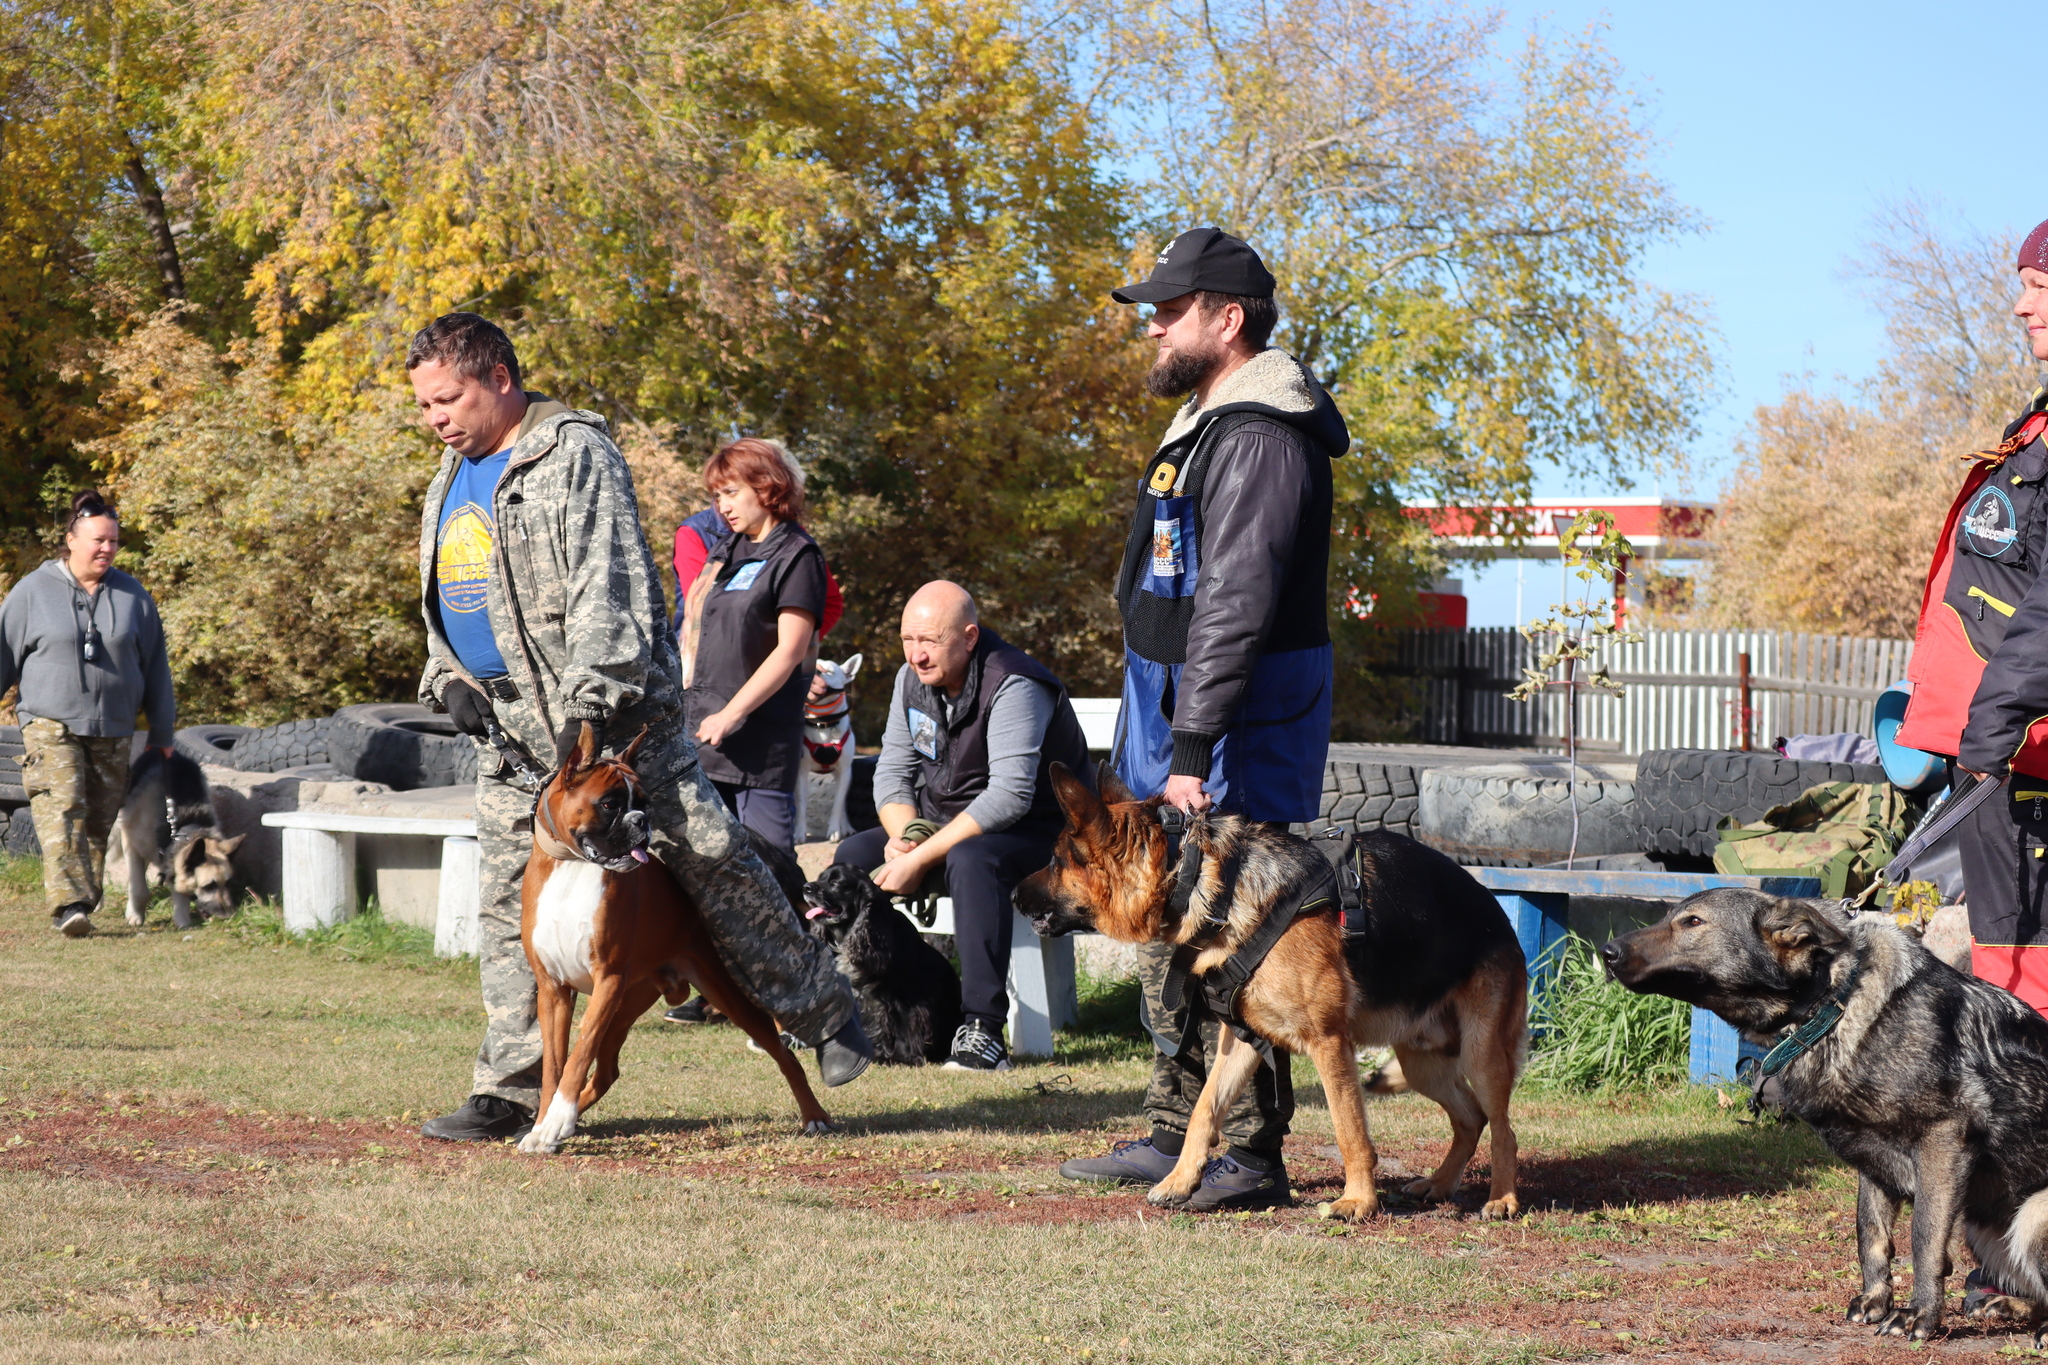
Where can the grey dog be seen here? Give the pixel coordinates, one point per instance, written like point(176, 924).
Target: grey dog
point(1933, 1085)
point(174, 839)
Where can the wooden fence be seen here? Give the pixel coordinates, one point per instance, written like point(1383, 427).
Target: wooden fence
point(1681, 689)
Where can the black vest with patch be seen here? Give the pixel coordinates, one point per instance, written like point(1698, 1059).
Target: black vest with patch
point(952, 754)
point(2001, 540)
point(1157, 627)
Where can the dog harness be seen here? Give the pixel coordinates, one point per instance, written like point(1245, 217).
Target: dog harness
point(1219, 987)
point(1800, 1042)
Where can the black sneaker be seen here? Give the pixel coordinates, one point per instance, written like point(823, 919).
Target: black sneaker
point(1128, 1163)
point(73, 921)
point(976, 1048)
point(1228, 1185)
point(482, 1118)
point(691, 1011)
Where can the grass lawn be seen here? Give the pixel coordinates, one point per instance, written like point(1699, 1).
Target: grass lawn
point(208, 1152)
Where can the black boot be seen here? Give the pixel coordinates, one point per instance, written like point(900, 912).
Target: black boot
point(846, 1054)
point(482, 1118)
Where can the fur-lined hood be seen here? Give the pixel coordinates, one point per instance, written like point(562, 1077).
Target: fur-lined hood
point(1276, 384)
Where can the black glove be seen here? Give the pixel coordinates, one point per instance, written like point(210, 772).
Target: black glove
point(467, 707)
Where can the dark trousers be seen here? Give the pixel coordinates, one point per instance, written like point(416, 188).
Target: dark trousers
point(771, 814)
point(2004, 850)
point(1180, 1067)
point(980, 875)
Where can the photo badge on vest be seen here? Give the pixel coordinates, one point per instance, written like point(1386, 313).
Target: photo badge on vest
point(1990, 526)
point(1170, 570)
point(744, 579)
point(924, 733)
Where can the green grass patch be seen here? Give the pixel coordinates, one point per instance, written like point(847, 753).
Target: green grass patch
point(1592, 1033)
point(20, 876)
point(369, 938)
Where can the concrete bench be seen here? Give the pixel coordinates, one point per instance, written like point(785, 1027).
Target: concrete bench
point(319, 866)
point(1538, 901)
point(1043, 998)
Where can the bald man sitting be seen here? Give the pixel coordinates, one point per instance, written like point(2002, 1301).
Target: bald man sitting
point(974, 727)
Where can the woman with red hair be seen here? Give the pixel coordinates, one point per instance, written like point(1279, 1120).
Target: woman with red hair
point(747, 636)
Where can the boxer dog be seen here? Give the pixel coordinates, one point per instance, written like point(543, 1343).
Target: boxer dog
point(601, 917)
point(828, 742)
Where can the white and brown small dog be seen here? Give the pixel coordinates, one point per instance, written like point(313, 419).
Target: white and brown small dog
point(600, 916)
point(828, 742)
point(172, 838)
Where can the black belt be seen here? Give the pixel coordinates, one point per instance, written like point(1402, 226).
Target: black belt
point(500, 688)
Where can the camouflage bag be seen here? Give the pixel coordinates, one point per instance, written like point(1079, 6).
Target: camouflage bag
point(1840, 832)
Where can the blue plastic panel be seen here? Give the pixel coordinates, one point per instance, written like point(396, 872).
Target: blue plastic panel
point(1716, 1048)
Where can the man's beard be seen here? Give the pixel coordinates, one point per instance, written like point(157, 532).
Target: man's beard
point(1179, 373)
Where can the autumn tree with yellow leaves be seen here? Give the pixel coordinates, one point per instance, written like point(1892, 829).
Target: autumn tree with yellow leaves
point(883, 230)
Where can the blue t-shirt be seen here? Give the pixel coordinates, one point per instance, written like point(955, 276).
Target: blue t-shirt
point(462, 563)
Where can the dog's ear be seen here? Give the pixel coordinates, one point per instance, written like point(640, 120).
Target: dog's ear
point(192, 856)
point(586, 745)
point(1789, 927)
point(1084, 809)
point(1113, 790)
point(634, 748)
point(227, 847)
point(850, 667)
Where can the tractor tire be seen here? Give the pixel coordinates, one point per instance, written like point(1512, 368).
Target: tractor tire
point(11, 790)
point(1682, 795)
point(401, 744)
point(1520, 814)
point(275, 748)
point(213, 744)
point(1360, 797)
point(18, 833)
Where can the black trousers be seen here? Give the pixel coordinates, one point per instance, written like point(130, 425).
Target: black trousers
point(2004, 848)
point(980, 875)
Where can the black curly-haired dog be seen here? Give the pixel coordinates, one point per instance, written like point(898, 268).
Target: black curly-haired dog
point(909, 993)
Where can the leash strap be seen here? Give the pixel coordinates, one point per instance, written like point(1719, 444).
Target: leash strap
point(1952, 812)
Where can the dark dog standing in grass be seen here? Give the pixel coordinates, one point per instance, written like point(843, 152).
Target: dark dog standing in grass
point(909, 993)
point(1432, 968)
point(1933, 1084)
point(173, 839)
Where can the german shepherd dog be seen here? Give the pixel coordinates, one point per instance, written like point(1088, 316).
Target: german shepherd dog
point(601, 917)
point(172, 838)
point(909, 993)
point(1436, 972)
point(1933, 1084)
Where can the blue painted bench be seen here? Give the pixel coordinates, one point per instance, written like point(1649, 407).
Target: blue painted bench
point(1538, 901)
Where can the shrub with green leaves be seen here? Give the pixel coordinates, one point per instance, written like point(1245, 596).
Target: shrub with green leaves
point(1591, 1033)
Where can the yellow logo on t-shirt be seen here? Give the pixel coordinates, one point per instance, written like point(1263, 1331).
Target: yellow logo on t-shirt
point(463, 562)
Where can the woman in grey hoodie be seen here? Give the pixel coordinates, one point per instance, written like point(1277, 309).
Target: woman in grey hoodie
point(86, 644)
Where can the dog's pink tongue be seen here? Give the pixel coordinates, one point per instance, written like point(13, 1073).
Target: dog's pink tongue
point(814, 912)
point(639, 855)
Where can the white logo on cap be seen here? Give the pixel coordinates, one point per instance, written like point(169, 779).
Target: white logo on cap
point(1162, 259)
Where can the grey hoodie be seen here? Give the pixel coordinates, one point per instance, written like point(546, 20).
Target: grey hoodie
point(42, 637)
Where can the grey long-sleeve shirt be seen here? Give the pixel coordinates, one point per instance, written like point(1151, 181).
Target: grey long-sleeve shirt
point(43, 626)
point(1017, 722)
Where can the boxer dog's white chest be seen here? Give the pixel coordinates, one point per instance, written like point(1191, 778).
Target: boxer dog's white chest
point(564, 918)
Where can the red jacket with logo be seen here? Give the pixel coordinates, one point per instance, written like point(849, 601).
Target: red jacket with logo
point(1980, 656)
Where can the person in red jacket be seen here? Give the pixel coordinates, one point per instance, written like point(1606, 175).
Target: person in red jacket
point(1980, 673)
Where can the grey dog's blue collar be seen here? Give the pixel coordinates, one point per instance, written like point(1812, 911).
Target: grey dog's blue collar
point(1803, 1039)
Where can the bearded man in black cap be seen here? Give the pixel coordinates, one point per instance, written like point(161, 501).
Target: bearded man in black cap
point(1227, 661)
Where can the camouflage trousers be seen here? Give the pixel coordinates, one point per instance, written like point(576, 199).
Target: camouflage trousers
point(1180, 1067)
point(75, 785)
point(758, 932)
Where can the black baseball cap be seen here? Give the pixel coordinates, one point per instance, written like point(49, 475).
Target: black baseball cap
point(1207, 259)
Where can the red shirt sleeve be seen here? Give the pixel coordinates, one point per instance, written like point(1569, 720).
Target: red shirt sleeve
point(835, 604)
point(690, 556)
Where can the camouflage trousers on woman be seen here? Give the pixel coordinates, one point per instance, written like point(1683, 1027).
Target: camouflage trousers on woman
point(75, 785)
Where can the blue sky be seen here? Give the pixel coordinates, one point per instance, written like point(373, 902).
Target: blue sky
point(1787, 126)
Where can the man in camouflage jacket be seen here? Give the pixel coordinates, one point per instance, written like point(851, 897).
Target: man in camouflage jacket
point(561, 571)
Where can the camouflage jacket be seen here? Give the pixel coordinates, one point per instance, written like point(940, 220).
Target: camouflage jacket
point(573, 595)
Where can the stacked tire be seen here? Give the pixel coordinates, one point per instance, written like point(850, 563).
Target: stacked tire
point(401, 744)
point(1360, 796)
point(1520, 814)
point(17, 830)
point(209, 743)
point(1682, 795)
point(276, 748)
